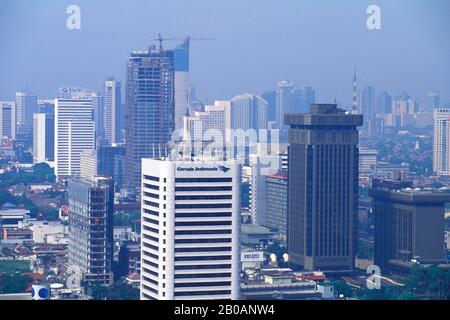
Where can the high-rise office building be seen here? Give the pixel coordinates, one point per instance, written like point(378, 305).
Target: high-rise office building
point(112, 110)
point(368, 109)
point(181, 60)
point(150, 108)
point(8, 120)
point(308, 97)
point(111, 162)
point(98, 114)
point(441, 141)
point(211, 122)
point(88, 164)
point(284, 102)
point(271, 98)
point(26, 105)
point(190, 229)
point(43, 137)
point(260, 167)
point(433, 100)
point(355, 109)
point(276, 202)
point(91, 208)
point(384, 103)
point(409, 224)
point(248, 111)
point(323, 188)
point(74, 130)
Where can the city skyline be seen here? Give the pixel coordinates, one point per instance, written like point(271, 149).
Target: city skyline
point(380, 56)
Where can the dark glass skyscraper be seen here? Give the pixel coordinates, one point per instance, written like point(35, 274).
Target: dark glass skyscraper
point(150, 96)
point(323, 188)
point(91, 207)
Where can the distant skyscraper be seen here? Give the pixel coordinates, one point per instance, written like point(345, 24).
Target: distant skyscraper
point(190, 230)
point(91, 208)
point(201, 124)
point(271, 98)
point(409, 224)
point(26, 105)
point(248, 111)
point(8, 120)
point(433, 100)
point(261, 166)
point(74, 130)
point(323, 188)
point(384, 103)
point(150, 108)
point(43, 137)
point(441, 142)
point(181, 60)
point(355, 109)
point(284, 102)
point(97, 110)
point(368, 108)
point(112, 110)
point(308, 97)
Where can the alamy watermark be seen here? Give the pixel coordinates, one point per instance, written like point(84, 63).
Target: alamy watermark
point(73, 21)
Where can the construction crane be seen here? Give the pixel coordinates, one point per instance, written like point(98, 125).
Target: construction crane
point(160, 39)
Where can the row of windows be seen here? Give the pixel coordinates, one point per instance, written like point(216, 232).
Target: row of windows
point(151, 255)
point(203, 223)
point(203, 284)
point(203, 205)
point(203, 275)
point(150, 186)
point(151, 195)
point(204, 197)
point(203, 258)
point(186, 232)
point(202, 215)
point(216, 240)
point(151, 221)
point(151, 178)
point(150, 271)
point(151, 229)
point(202, 293)
point(154, 213)
point(212, 188)
point(152, 204)
point(181, 180)
point(199, 249)
point(150, 246)
point(203, 267)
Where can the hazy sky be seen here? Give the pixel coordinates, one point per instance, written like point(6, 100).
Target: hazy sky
point(258, 43)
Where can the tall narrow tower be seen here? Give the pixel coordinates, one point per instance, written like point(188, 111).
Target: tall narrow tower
point(355, 95)
point(150, 96)
point(323, 188)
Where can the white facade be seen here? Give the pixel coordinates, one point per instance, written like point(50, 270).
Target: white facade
point(74, 132)
point(248, 111)
point(43, 144)
point(190, 230)
point(441, 143)
point(181, 97)
point(261, 166)
point(202, 125)
point(367, 160)
point(88, 164)
point(50, 232)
